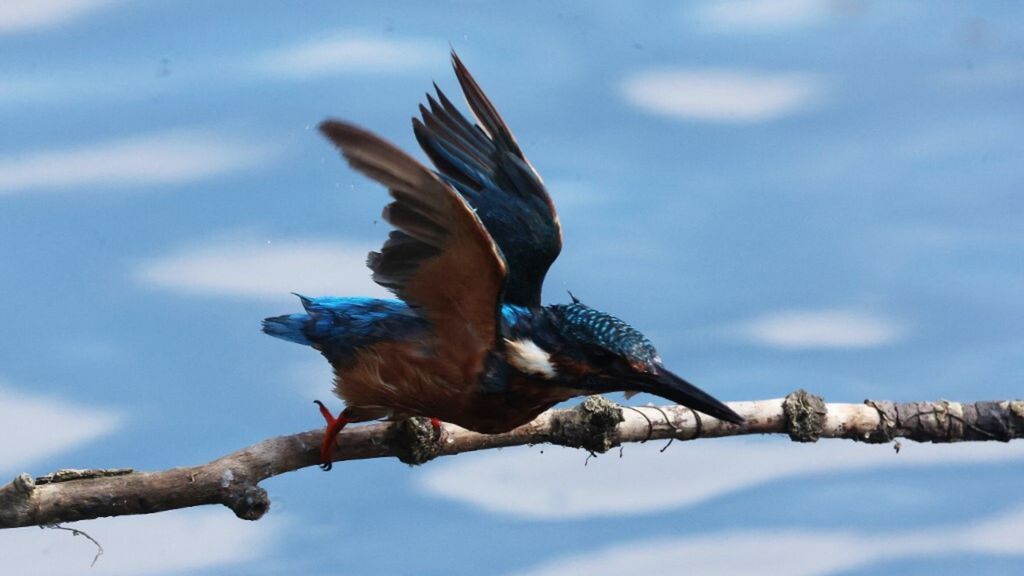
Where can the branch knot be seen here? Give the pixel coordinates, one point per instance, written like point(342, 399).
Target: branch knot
point(248, 502)
point(16, 500)
point(805, 416)
point(414, 440)
point(591, 425)
point(24, 484)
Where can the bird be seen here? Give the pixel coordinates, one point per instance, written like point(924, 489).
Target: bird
point(466, 339)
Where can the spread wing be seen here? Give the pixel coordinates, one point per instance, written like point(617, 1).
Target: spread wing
point(440, 259)
point(485, 165)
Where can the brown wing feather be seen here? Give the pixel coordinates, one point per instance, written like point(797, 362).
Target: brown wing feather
point(441, 259)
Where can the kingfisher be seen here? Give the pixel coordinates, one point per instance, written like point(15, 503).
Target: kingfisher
point(467, 339)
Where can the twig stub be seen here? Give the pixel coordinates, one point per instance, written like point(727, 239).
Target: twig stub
point(251, 502)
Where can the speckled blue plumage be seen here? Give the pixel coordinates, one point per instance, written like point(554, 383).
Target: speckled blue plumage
point(587, 326)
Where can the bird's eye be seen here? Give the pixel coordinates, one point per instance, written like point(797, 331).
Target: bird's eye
point(640, 367)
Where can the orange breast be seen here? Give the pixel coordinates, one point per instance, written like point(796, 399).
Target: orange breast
point(401, 379)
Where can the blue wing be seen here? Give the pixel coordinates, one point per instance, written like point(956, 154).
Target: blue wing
point(485, 165)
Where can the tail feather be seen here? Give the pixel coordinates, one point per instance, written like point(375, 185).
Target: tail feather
point(290, 327)
point(338, 326)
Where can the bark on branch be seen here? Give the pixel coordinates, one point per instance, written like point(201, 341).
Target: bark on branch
point(596, 425)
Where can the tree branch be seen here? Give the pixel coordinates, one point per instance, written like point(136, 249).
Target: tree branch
point(596, 425)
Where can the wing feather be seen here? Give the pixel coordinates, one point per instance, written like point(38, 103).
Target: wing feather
point(441, 259)
point(484, 164)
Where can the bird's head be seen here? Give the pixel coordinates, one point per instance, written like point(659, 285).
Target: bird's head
point(605, 354)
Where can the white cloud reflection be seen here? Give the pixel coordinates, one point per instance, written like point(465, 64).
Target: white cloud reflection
point(352, 52)
point(518, 482)
point(37, 427)
point(22, 15)
point(162, 158)
point(763, 15)
point(175, 542)
point(264, 269)
point(829, 328)
point(721, 95)
point(792, 552)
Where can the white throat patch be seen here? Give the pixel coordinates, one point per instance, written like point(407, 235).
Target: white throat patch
point(529, 358)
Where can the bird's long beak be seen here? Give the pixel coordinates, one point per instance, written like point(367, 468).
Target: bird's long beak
point(667, 385)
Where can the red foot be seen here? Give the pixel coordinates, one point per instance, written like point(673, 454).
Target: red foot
point(435, 423)
point(334, 425)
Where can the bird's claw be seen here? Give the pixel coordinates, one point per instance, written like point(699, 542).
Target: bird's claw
point(324, 411)
point(334, 425)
